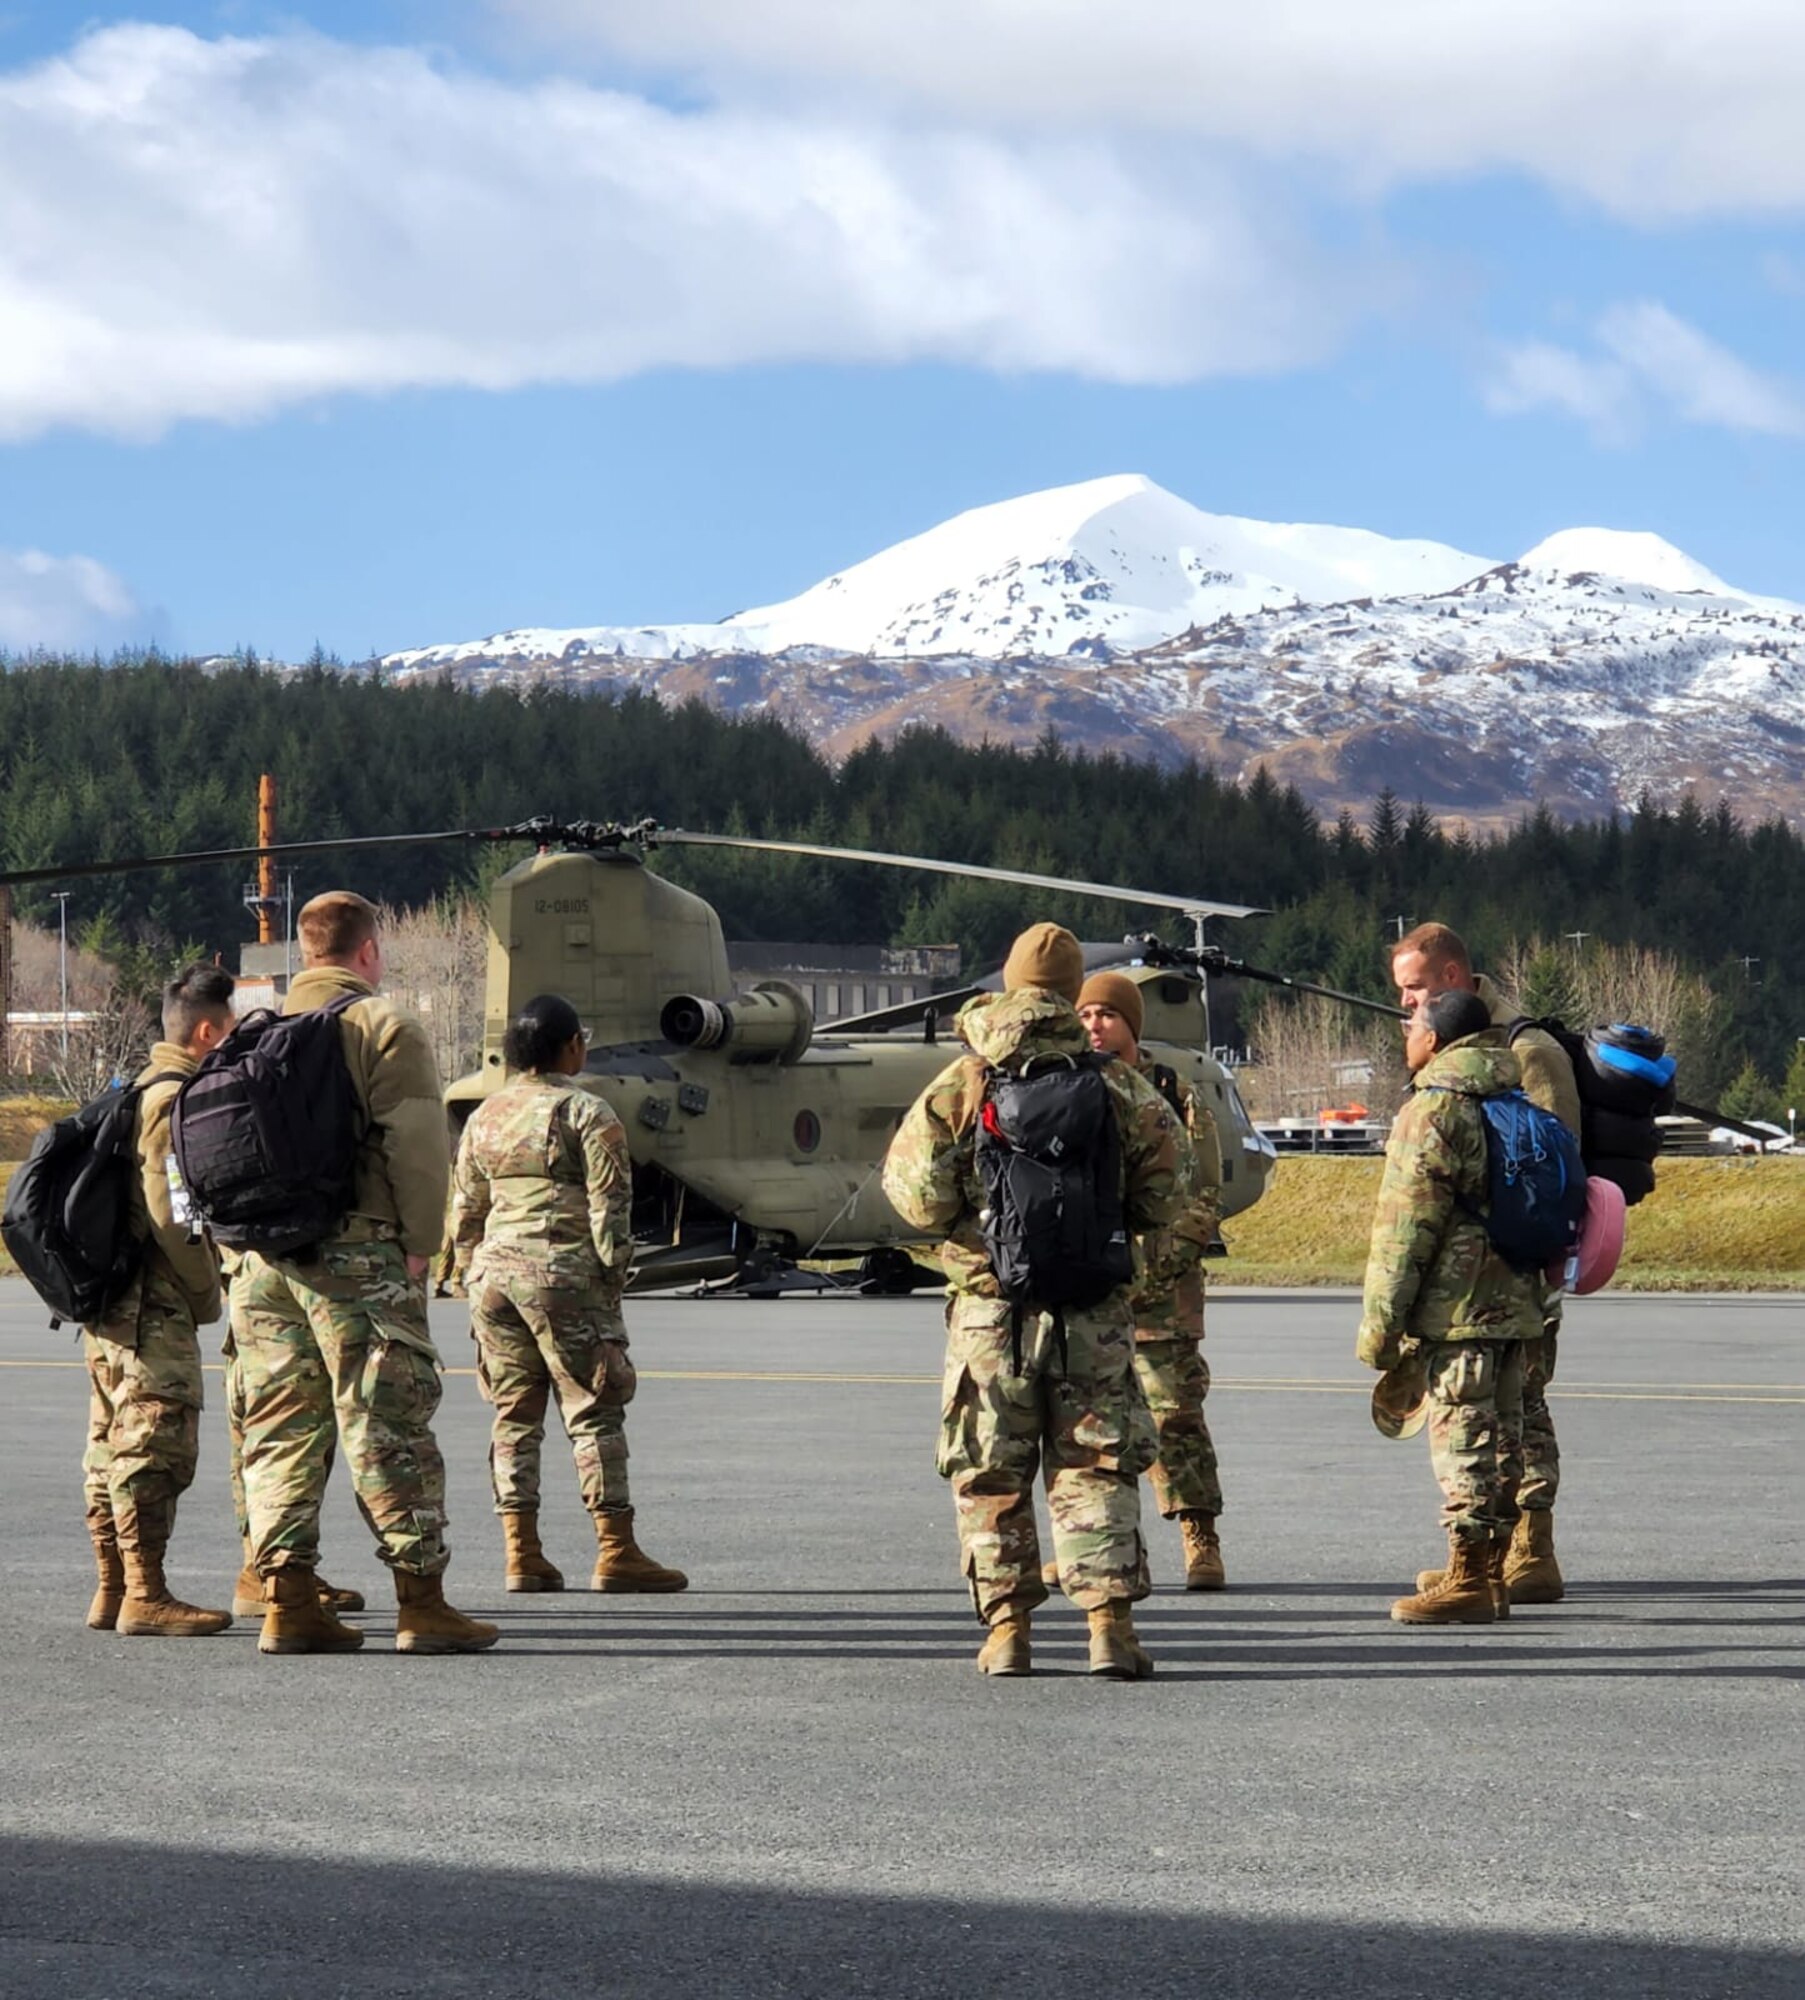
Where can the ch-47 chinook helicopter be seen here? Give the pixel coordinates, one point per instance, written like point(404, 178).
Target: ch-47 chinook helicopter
point(756, 1134)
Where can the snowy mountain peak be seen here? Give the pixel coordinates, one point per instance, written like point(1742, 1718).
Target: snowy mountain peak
point(1105, 569)
point(1626, 555)
point(1109, 565)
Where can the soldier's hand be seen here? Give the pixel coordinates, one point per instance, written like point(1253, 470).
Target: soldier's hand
point(1375, 1348)
point(417, 1268)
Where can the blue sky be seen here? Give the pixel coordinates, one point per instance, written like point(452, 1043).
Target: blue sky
point(389, 324)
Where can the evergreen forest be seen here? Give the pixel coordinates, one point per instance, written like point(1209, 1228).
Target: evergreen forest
point(150, 756)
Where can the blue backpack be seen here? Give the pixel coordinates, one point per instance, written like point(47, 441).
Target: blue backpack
point(1535, 1183)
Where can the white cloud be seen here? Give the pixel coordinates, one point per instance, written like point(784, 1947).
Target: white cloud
point(1537, 376)
point(63, 604)
point(1700, 380)
point(215, 229)
point(1651, 107)
point(1649, 360)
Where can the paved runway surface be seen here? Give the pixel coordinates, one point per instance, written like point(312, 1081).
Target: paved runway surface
point(792, 1781)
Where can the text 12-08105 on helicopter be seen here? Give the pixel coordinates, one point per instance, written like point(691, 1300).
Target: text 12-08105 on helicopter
point(756, 1135)
point(756, 1138)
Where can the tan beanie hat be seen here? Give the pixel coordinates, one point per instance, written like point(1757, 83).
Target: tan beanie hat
point(1048, 956)
point(1111, 989)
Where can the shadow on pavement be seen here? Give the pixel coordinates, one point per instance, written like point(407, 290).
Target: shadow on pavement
point(86, 1918)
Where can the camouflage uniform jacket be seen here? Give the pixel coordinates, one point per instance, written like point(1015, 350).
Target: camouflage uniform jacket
point(190, 1269)
point(1547, 1071)
point(1167, 1255)
point(404, 1162)
point(930, 1171)
point(1431, 1271)
point(544, 1190)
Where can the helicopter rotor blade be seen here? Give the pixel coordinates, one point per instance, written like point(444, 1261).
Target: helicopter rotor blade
point(1192, 906)
point(545, 830)
point(70, 871)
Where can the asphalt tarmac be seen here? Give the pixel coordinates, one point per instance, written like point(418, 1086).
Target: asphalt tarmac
point(791, 1779)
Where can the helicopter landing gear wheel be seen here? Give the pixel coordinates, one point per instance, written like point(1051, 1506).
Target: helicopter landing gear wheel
point(893, 1274)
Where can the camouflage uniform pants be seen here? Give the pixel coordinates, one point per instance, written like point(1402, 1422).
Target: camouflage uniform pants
point(338, 1349)
point(1078, 1419)
point(532, 1344)
point(235, 1437)
point(144, 1418)
point(1174, 1379)
point(1541, 1452)
point(1476, 1434)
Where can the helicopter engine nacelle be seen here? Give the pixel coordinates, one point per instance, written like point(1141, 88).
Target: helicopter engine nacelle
point(772, 1023)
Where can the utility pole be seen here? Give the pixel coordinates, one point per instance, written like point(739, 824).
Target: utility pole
point(1404, 924)
point(1576, 939)
point(1747, 965)
point(6, 976)
point(62, 961)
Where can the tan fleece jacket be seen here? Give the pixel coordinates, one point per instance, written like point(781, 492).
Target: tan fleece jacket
point(404, 1163)
point(1547, 1074)
point(193, 1267)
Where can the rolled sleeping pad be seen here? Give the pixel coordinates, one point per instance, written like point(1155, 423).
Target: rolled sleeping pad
point(1595, 1258)
point(1632, 1071)
point(1611, 1135)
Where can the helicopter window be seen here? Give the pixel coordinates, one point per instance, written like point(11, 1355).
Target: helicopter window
point(807, 1131)
point(831, 999)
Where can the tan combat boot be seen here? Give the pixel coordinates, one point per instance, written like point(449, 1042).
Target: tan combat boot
point(621, 1564)
point(247, 1592)
point(527, 1567)
point(148, 1610)
point(1432, 1579)
point(1049, 1575)
point(1531, 1574)
point(425, 1623)
point(247, 1589)
point(1116, 1653)
point(1005, 1650)
point(296, 1619)
point(335, 1599)
point(1203, 1552)
point(109, 1594)
point(1494, 1575)
point(1463, 1596)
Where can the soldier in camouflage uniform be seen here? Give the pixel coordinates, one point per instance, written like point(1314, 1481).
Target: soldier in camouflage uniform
point(541, 1230)
point(144, 1356)
point(340, 1340)
point(1433, 959)
point(1078, 1413)
point(247, 1592)
point(1167, 1298)
point(1436, 1290)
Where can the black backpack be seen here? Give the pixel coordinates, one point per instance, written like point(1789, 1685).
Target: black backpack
point(1049, 1157)
point(69, 1209)
point(267, 1130)
point(1626, 1081)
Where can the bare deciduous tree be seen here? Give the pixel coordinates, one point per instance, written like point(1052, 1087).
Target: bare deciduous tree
point(1315, 1055)
point(436, 965)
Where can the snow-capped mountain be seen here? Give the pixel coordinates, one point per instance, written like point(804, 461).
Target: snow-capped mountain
point(1599, 664)
point(1105, 567)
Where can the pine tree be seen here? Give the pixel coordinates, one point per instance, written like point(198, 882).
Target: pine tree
point(1751, 1097)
